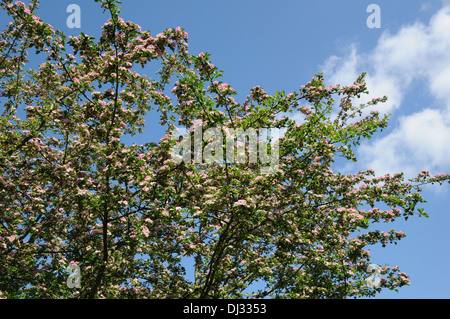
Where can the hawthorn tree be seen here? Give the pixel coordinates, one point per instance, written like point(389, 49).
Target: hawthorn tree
point(130, 216)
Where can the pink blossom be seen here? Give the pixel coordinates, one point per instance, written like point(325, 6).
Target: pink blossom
point(241, 202)
point(12, 237)
point(145, 231)
point(123, 202)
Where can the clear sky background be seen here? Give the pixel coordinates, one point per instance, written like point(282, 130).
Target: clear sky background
point(280, 45)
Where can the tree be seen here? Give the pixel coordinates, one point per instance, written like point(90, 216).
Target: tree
point(72, 193)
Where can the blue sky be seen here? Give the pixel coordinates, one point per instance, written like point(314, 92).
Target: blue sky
point(280, 45)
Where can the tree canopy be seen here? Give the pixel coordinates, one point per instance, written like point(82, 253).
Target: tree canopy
point(131, 216)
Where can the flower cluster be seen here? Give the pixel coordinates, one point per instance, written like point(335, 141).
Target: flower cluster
point(129, 215)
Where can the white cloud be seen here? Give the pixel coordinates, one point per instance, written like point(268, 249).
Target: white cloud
point(416, 52)
point(343, 70)
point(425, 6)
point(421, 141)
point(440, 85)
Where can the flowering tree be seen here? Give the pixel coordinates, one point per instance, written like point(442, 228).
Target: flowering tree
point(72, 193)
